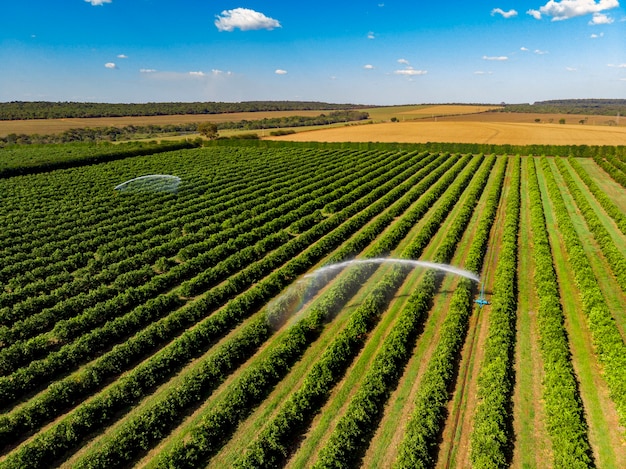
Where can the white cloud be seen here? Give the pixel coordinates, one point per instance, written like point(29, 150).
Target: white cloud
point(481, 72)
point(217, 72)
point(368, 67)
point(566, 9)
point(98, 2)
point(371, 35)
point(110, 65)
point(571, 69)
point(541, 52)
point(147, 70)
point(596, 36)
point(501, 58)
point(197, 74)
point(244, 19)
point(122, 56)
point(279, 71)
point(617, 65)
point(524, 49)
point(505, 14)
point(600, 18)
point(403, 61)
point(410, 71)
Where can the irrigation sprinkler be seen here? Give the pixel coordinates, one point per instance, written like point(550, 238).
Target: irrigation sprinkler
point(482, 299)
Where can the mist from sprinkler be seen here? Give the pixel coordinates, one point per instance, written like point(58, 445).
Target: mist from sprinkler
point(150, 183)
point(291, 303)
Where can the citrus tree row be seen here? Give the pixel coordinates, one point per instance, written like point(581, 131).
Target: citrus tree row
point(608, 341)
point(564, 408)
point(55, 396)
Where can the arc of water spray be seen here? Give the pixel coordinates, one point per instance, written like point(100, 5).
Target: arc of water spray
point(174, 179)
point(409, 262)
point(291, 302)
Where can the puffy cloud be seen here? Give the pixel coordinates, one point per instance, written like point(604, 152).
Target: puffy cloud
point(596, 36)
point(523, 49)
point(98, 2)
point(122, 56)
point(500, 58)
point(147, 70)
point(410, 71)
point(403, 61)
point(600, 18)
point(505, 14)
point(571, 69)
point(279, 71)
point(368, 67)
point(110, 65)
point(370, 35)
point(244, 19)
point(197, 74)
point(566, 9)
point(217, 72)
point(541, 52)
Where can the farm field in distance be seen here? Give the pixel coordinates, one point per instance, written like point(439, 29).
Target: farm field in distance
point(192, 323)
point(474, 124)
point(48, 126)
point(415, 124)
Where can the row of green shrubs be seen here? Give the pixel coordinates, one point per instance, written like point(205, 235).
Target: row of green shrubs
point(607, 339)
point(607, 204)
point(491, 436)
point(608, 164)
point(563, 405)
point(612, 254)
point(350, 438)
point(302, 405)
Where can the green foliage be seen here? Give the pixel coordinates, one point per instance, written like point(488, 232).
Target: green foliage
point(55, 110)
point(106, 298)
point(612, 165)
point(608, 341)
point(31, 160)
point(491, 435)
point(208, 129)
point(609, 206)
point(604, 107)
point(614, 257)
point(564, 408)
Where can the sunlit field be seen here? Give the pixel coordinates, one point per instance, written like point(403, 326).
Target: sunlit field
point(277, 304)
point(468, 132)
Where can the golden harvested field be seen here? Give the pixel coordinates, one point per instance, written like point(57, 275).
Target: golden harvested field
point(424, 111)
point(448, 110)
point(468, 131)
point(52, 126)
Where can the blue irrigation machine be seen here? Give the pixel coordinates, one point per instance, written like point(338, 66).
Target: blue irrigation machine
point(482, 299)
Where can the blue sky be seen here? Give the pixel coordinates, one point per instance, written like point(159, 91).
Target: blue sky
point(368, 52)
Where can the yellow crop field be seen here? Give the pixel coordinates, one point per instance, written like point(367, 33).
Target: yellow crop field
point(52, 126)
point(448, 110)
point(469, 132)
point(411, 112)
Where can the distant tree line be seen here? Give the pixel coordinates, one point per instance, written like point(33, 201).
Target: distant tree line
point(111, 134)
point(603, 107)
point(16, 110)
